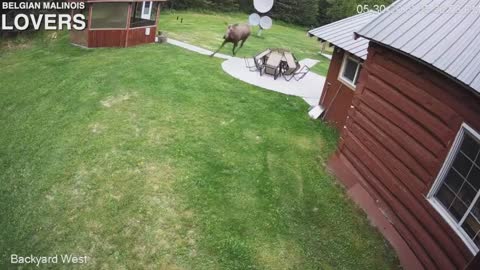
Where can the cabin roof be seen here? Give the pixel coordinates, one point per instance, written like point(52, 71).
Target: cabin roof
point(444, 35)
point(341, 33)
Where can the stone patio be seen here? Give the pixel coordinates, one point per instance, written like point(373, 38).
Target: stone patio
point(309, 88)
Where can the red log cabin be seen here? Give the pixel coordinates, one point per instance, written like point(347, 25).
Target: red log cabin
point(118, 23)
point(409, 152)
point(348, 57)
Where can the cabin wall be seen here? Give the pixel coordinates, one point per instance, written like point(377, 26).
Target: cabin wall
point(127, 37)
point(107, 38)
point(137, 36)
point(336, 97)
point(403, 122)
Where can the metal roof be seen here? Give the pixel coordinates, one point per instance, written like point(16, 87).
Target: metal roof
point(444, 34)
point(341, 33)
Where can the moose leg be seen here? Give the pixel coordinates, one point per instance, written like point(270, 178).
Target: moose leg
point(241, 44)
point(234, 47)
point(221, 46)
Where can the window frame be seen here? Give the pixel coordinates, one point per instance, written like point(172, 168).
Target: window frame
point(137, 22)
point(92, 11)
point(344, 80)
point(437, 205)
point(144, 8)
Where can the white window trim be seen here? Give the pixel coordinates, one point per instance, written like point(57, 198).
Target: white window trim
point(344, 80)
point(146, 16)
point(438, 182)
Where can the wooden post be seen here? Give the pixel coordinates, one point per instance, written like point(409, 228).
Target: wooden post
point(129, 16)
point(157, 18)
point(89, 23)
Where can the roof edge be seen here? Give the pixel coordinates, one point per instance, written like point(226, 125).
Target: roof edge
point(466, 86)
point(345, 19)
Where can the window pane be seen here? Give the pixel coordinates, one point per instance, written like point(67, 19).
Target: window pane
point(136, 19)
point(146, 11)
point(477, 240)
point(462, 164)
point(358, 75)
point(454, 181)
point(476, 210)
point(467, 194)
point(471, 226)
point(458, 209)
point(474, 177)
point(470, 147)
point(109, 15)
point(445, 196)
point(153, 14)
point(350, 70)
point(137, 9)
point(461, 185)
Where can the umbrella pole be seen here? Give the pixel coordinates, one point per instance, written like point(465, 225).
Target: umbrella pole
point(259, 33)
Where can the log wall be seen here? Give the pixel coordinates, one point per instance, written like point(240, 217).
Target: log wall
point(404, 119)
point(336, 97)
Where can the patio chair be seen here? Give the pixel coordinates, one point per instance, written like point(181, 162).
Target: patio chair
point(291, 69)
point(258, 61)
point(299, 73)
point(257, 65)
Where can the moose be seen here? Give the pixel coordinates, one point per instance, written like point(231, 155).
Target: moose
point(235, 33)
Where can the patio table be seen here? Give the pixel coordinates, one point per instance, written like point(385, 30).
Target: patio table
point(272, 66)
point(263, 54)
point(291, 64)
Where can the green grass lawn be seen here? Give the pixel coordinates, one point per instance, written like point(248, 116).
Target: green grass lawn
point(207, 31)
point(153, 158)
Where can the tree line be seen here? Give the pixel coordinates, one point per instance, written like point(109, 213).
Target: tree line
point(302, 12)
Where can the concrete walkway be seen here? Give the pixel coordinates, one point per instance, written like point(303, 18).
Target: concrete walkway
point(326, 55)
point(309, 88)
point(196, 49)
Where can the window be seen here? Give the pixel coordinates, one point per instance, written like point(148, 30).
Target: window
point(144, 14)
point(146, 8)
point(350, 70)
point(456, 191)
point(109, 15)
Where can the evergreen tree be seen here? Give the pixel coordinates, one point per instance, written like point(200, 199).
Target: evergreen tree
point(302, 12)
point(308, 12)
point(322, 16)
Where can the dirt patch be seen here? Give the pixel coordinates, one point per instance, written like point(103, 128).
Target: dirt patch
point(15, 45)
point(254, 136)
point(172, 230)
point(115, 100)
point(307, 143)
point(96, 128)
point(280, 255)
